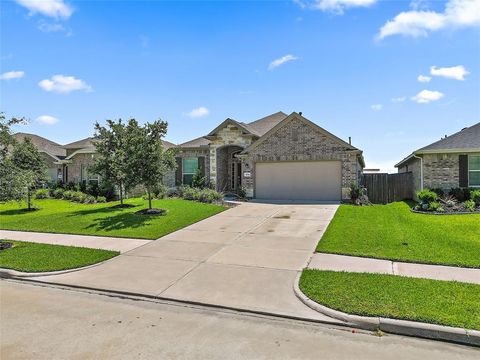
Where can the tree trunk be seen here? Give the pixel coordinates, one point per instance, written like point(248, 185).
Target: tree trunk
point(29, 205)
point(121, 194)
point(149, 198)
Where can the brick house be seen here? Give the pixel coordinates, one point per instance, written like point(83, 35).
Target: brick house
point(279, 157)
point(451, 162)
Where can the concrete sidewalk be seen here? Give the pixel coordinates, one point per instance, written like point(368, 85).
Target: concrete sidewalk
point(94, 242)
point(247, 257)
point(359, 264)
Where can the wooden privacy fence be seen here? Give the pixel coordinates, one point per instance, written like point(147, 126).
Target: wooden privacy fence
point(387, 188)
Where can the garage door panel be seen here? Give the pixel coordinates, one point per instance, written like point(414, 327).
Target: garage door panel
point(298, 180)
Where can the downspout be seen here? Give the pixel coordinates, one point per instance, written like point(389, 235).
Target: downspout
point(421, 170)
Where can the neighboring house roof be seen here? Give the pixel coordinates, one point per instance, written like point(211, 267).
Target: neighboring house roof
point(263, 125)
point(466, 140)
point(195, 143)
point(44, 145)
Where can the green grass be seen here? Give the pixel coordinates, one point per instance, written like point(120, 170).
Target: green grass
point(393, 232)
point(32, 257)
point(60, 216)
point(438, 302)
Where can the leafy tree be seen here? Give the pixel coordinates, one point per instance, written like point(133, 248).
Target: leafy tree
point(6, 138)
point(147, 158)
point(111, 158)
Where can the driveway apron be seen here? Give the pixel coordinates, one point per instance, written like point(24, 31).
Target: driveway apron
point(246, 257)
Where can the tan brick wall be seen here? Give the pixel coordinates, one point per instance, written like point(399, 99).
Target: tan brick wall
point(299, 141)
point(414, 167)
point(74, 168)
point(441, 171)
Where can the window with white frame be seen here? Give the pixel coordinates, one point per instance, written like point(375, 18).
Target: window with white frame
point(189, 167)
point(474, 170)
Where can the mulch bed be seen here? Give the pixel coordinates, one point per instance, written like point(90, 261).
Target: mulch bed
point(151, 212)
point(448, 211)
point(4, 245)
point(123, 206)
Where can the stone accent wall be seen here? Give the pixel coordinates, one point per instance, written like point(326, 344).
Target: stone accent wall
point(297, 141)
point(441, 171)
point(74, 168)
point(51, 166)
point(229, 135)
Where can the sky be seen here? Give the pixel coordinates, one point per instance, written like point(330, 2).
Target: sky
point(393, 75)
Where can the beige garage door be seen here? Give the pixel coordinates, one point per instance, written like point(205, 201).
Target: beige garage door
point(298, 180)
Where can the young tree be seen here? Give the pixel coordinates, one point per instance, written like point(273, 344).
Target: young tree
point(29, 169)
point(111, 158)
point(147, 158)
point(22, 167)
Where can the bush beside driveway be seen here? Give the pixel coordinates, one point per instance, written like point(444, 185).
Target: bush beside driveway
point(393, 232)
point(60, 216)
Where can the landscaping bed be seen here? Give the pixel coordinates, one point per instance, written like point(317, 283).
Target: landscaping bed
point(432, 202)
point(394, 232)
point(432, 301)
point(106, 219)
point(33, 257)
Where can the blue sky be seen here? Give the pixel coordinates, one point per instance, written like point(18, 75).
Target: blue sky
point(351, 66)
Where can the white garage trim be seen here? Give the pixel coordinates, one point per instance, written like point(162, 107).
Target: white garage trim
point(299, 180)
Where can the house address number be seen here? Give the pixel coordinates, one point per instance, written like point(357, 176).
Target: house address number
point(247, 174)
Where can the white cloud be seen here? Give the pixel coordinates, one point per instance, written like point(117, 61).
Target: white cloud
point(426, 96)
point(198, 112)
point(9, 75)
point(376, 107)
point(47, 120)
point(335, 6)
point(284, 59)
point(454, 72)
point(399, 99)
point(64, 84)
point(457, 13)
point(52, 8)
point(423, 78)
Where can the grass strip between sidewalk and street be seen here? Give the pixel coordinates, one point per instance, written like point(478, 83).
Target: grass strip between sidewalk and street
point(34, 257)
point(432, 301)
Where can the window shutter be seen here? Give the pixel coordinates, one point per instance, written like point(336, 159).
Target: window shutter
point(178, 172)
point(201, 165)
point(463, 171)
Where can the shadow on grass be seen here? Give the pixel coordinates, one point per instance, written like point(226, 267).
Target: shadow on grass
point(18, 211)
point(119, 219)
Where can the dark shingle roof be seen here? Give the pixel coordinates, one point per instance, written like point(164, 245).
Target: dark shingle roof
point(465, 139)
point(258, 128)
point(80, 144)
point(263, 125)
point(43, 144)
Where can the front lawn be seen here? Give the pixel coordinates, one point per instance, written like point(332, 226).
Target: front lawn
point(32, 257)
point(61, 216)
point(393, 232)
point(439, 302)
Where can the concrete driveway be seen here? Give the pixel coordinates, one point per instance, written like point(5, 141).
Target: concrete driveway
point(246, 257)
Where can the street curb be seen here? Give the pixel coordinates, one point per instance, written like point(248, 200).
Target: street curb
point(394, 326)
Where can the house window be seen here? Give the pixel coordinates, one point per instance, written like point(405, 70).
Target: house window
point(189, 167)
point(474, 170)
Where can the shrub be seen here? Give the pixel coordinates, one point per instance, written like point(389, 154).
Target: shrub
point(427, 196)
point(172, 192)
point(439, 192)
point(242, 193)
point(68, 194)
point(469, 205)
point(449, 201)
point(101, 199)
point(190, 193)
point(355, 192)
point(209, 196)
point(160, 191)
point(461, 194)
point(58, 193)
point(78, 196)
point(89, 199)
point(475, 197)
point(435, 206)
point(42, 194)
point(198, 181)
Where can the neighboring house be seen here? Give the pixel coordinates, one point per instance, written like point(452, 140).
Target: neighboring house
point(279, 157)
point(451, 162)
point(70, 162)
